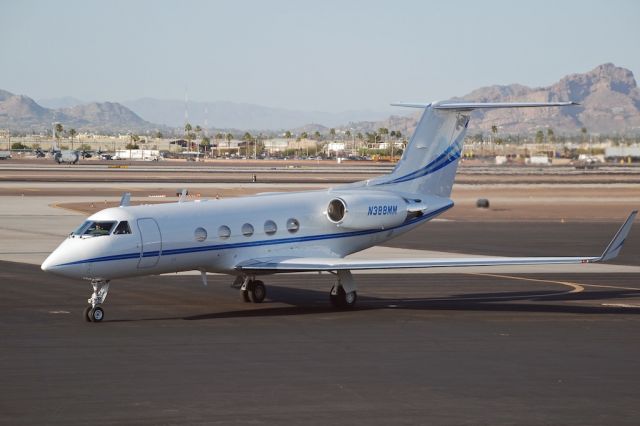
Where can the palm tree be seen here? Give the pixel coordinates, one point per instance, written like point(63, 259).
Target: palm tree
point(229, 139)
point(187, 133)
point(247, 138)
point(304, 135)
point(72, 133)
point(205, 143)
point(287, 134)
point(332, 132)
point(317, 135)
point(57, 130)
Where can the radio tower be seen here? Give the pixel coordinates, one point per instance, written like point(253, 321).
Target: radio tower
point(186, 106)
point(206, 119)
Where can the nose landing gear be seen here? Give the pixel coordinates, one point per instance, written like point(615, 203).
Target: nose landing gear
point(94, 312)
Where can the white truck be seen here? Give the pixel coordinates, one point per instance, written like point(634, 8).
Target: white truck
point(137, 154)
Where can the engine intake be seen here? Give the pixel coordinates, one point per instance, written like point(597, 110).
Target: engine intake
point(369, 211)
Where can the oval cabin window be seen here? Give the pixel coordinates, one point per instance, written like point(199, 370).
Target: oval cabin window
point(247, 229)
point(224, 232)
point(270, 227)
point(293, 225)
point(200, 234)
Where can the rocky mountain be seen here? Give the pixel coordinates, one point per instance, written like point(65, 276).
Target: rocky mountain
point(21, 113)
point(608, 95)
point(63, 102)
point(223, 114)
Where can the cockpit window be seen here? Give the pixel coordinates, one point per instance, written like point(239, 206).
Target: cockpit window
point(95, 228)
point(122, 228)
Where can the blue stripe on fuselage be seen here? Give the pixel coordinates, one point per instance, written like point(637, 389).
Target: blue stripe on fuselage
point(278, 241)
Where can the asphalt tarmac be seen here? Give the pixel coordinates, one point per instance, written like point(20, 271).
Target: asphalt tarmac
point(419, 349)
point(484, 347)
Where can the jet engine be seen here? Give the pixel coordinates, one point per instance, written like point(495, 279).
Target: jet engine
point(367, 211)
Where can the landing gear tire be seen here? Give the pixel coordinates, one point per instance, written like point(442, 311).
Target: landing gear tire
point(341, 299)
point(86, 313)
point(96, 314)
point(257, 291)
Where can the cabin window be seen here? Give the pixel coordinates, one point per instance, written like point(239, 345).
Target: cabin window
point(95, 228)
point(122, 228)
point(224, 232)
point(293, 225)
point(200, 234)
point(270, 227)
point(247, 229)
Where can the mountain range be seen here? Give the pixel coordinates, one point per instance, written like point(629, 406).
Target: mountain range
point(20, 112)
point(608, 95)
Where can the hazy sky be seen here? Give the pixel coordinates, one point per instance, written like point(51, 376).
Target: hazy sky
point(313, 55)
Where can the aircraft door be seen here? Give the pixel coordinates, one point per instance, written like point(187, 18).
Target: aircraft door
point(150, 243)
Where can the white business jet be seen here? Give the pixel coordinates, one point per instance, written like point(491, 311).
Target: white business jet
point(291, 232)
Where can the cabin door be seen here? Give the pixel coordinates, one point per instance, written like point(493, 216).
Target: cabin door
point(150, 243)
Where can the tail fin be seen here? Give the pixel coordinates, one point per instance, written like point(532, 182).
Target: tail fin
point(430, 161)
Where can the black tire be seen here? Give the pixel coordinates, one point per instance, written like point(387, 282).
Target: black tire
point(257, 292)
point(482, 203)
point(341, 299)
point(86, 312)
point(350, 299)
point(96, 314)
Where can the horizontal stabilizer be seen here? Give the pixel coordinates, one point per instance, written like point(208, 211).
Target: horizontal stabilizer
point(470, 106)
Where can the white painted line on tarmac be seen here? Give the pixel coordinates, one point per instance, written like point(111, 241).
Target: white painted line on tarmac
point(575, 287)
point(620, 305)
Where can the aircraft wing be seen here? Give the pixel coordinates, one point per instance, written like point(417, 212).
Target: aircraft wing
point(299, 264)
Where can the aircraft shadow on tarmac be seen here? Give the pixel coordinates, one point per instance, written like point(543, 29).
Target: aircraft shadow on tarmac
point(311, 301)
point(304, 299)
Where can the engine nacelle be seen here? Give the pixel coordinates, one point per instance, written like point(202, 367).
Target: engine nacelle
point(367, 211)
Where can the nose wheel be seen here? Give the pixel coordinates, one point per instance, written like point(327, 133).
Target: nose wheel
point(94, 312)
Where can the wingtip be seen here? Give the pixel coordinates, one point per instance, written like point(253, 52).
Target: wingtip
point(615, 246)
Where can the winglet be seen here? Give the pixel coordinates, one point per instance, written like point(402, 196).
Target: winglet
point(614, 247)
point(470, 106)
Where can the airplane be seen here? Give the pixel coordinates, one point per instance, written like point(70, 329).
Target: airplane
point(65, 155)
point(250, 237)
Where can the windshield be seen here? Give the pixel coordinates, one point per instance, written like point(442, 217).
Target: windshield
point(95, 228)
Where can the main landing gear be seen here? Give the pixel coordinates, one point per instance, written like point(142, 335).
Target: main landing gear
point(251, 290)
point(94, 312)
point(343, 294)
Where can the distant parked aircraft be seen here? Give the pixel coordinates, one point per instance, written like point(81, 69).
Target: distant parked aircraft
point(65, 156)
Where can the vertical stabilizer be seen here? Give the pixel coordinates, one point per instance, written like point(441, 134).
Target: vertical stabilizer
point(429, 163)
point(430, 160)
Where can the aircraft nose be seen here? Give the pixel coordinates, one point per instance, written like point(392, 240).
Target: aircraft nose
point(48, 262)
